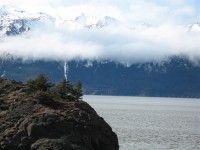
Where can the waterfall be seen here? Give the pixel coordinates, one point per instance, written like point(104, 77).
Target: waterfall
point(66, 70)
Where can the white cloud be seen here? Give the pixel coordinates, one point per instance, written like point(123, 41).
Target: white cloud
point(187, 10)
point(117, 43)
point(130, 11)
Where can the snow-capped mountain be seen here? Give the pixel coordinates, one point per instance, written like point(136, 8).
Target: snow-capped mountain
point(171, 78)
point(14, 21)
point(194, 27)
point(93, 21)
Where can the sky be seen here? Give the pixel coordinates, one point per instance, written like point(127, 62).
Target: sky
point(167, 34)
point(129, 11)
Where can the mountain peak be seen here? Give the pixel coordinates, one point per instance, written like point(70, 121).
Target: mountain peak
point(194, 27)
point(16, 21)
point(94, 21)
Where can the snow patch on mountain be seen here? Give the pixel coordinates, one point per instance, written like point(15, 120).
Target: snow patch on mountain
point(14, 22)
point(194, 27)
point(94, 21)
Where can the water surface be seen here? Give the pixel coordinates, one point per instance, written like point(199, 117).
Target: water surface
point(151, 123)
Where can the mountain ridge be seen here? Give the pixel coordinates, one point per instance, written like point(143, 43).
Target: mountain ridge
point(164, 78)
point(15, 21)
point(177, 77)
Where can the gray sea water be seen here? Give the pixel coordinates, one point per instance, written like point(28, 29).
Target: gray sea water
point(144, 123)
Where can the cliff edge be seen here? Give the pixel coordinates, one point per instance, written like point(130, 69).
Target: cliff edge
point(33, 121)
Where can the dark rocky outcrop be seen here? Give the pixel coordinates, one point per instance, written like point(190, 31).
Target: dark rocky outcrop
point(32, 121)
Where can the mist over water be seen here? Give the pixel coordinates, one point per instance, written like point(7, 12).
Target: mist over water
point(151, 123)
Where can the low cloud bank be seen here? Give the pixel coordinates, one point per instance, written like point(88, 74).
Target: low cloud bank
point(129, 42)
point(116, 43)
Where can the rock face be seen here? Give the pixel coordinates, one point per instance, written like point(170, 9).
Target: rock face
point(32, 121)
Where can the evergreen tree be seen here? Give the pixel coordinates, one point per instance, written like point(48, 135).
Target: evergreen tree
point(40, 83)
point(64, 90)
point(32, 84)
point(78, 90)
point(70, 89)
point(61, 89)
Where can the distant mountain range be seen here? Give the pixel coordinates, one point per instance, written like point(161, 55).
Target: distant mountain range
point(15, 22)
point(176, 77)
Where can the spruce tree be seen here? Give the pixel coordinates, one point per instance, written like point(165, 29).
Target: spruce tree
point(78, 90)
point(41, 83)
point(64, 90)
point(61, 89)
